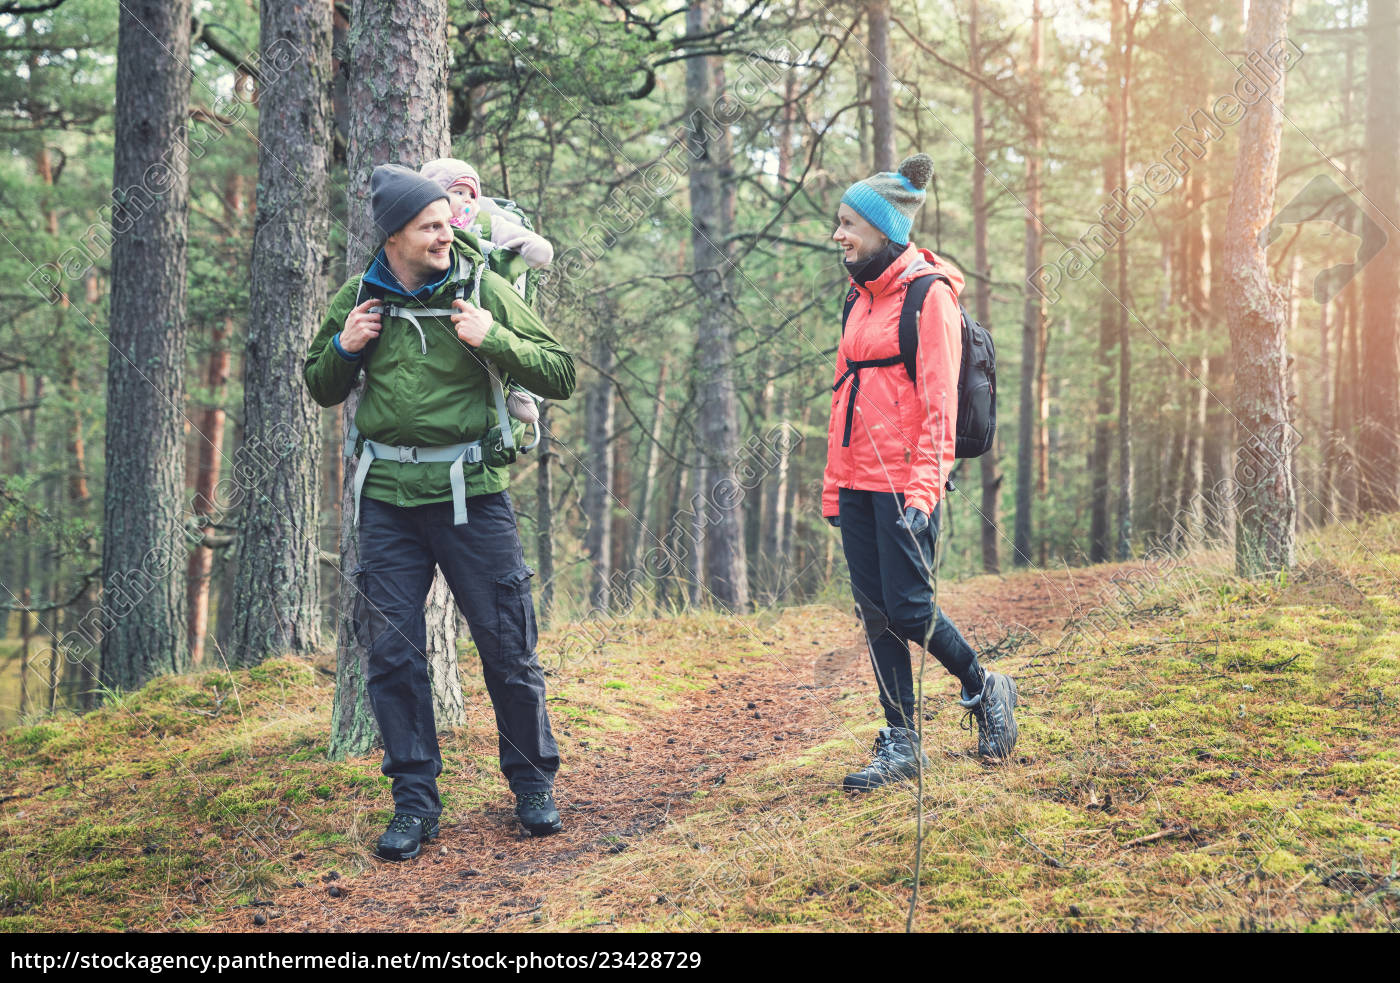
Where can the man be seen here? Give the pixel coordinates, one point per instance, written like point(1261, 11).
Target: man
point(433, 330)
point(890, 448)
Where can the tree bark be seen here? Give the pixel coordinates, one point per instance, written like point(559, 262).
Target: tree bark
point(772, 548)
point(877, 14)
point(1108, 310)
point(143, 550)
point(449, 703)
point(210, 450)
point(397, 94)
point(1326, 497)
point(277, 594)
point(597, 493)
point(649, 536)
point(1264, 528)
point(1033, 310)
point(711, 206)
point(1125, 359)
point(990, 516)
point(1196, 278)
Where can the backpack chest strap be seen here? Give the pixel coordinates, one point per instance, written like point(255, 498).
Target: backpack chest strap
point(852, 372)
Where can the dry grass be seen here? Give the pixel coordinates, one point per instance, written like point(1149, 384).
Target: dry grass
point(1204, 754)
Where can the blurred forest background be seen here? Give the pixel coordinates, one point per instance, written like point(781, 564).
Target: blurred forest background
point(686, 160)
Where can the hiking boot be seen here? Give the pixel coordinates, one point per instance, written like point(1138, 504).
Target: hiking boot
point(994, 711)
point(404, 838)
point(538, 813)
point(897, 756)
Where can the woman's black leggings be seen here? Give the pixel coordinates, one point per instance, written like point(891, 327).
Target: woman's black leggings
point(891, 580)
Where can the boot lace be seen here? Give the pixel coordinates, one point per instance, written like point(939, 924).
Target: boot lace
point(403, 823)
point(988, 720)
point(884, 755)
point(534, 800)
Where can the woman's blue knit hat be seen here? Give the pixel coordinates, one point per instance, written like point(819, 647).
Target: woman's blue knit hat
point(888, 200)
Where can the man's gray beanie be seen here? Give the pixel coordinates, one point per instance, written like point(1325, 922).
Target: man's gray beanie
point(397, 194)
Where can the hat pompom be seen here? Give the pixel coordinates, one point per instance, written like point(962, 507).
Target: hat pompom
point(918, 169)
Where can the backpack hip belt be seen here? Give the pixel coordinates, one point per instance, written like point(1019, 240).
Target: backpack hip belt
point(458, 454)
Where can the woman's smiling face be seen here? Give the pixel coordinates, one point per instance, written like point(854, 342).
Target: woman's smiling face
point(857, 238)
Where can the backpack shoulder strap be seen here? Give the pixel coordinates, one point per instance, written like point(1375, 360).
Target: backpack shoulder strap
point(909, 315)
point(851, 296)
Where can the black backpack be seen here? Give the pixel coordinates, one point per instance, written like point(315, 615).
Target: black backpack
point(977, 378)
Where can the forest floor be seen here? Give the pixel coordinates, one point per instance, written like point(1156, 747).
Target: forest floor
point(1202, 753)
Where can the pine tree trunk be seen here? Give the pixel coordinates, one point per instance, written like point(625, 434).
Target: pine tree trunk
point(1379, 440)
point(648, 535)
point(225, 571)
point(1033, 311)
point(1108, 314)
point(449, 703)
point(623, 518)
point(1264, 531)
point(209, 453)
point(29, 421)
point(1326, 498)
point(397, 95)
point(1125, 358)
point(597, 493)
point(1196, 279)
point(143, 550)
point(277, 594)
point(210, 450)
point(771, 546)
point(877, 13)
point(699, 533)
point(795, 498)
point(711, 204)
point(1348, 386)
point(990, 515)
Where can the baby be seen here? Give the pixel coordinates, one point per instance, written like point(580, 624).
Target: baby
point(463, 186)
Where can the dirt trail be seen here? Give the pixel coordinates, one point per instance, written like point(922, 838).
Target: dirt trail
point(484, 873)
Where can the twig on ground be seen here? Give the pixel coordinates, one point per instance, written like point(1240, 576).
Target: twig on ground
point(1053, 862)
point(1172, 833)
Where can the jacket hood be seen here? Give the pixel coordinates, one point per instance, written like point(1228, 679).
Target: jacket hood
point(902, 269)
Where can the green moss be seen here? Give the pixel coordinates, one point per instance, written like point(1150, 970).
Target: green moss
point(31, 739)
point(1373, 775)
point(1282, 863)
point(1267, 655)
point(1303, 746)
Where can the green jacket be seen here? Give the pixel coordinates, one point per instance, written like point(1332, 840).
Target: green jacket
point(444, 396)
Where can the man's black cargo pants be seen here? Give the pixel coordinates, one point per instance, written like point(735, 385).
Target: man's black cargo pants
point(484, 566)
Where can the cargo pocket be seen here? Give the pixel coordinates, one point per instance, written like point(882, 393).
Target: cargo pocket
point(515, 612)
point(362, 613)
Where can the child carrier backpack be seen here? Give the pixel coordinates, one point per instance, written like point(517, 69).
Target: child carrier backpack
point(977, 377)
point(508, 263)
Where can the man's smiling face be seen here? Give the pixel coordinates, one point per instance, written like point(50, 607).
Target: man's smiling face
point(423, 248)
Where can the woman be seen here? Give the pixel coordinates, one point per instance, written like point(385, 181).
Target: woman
point(890, 449)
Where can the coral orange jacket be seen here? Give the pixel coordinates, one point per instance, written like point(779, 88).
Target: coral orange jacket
point(903, 434)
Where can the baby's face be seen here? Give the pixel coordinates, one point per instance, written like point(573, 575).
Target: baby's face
point(464, 201)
